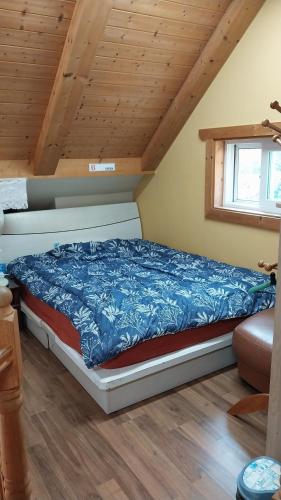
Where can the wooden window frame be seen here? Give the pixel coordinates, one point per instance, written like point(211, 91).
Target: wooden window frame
point(214, 177)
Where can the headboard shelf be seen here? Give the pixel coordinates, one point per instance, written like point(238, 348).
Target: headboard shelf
point(27, 233)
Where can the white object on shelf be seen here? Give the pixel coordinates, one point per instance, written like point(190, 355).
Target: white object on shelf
point(102, 167)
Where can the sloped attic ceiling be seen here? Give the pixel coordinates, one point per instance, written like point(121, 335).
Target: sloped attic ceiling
point(107, 78)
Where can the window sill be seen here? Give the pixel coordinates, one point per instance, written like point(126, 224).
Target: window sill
point(254, 219)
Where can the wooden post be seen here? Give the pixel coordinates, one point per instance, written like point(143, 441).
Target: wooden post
point(14, 470)
point(273, 443)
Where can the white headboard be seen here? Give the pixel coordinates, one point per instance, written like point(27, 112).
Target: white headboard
point(26, 233)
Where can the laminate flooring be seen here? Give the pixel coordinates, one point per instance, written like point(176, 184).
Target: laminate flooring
point(180, 445)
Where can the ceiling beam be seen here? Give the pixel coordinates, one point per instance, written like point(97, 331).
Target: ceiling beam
point(230, 29)
point(85, 30)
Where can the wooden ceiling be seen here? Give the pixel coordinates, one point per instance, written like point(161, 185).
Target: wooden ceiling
point(104, 84)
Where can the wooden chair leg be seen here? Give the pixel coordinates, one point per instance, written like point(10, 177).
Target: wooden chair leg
point(250, 404)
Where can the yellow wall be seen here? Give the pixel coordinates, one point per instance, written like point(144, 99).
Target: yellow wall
point(172, 204)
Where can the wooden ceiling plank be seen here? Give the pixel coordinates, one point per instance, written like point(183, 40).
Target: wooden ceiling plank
point(23, 97)
point(25, 84)
point(26, 140)
point(17, 131)
point(11, 53)
point(18, 120)
point(140, 67)
point(88, 22)
point(207, 4)
point(89, 122)
point(171, 10)
point(79, 133)
point(153, 24)
point(32, 39)
point(115, 100)
point(133, 52)
point(118, 111)
point(99, 77)
point(15, 152)
point(121, 91)
point(100, 152)
point(54, 8)
point(147, 39)
point(33, 22)
point(25, 70)
point(102, 139)
point(232, 26)
point(12, 108)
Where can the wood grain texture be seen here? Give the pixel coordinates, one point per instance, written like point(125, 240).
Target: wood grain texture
point(233, 24)
point(236, 132)
point(25, 84)
point(180, 445)
point(24, 70)
point(23, 97)
point(14, 470)
point(147, 39)
point(133, 52)
point(54, 8)
point(121, 150)
point(86, 27)
point(114, 89)
point(140, 67)
point(124, 101)
point(31, 39)
point(128, 79)
point(138, 57)
point(191, 12)
point(26, 21)
point(149, 23)
point(28, 55)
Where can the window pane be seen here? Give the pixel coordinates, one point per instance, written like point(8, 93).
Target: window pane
point(274, 176)
point(248, 174)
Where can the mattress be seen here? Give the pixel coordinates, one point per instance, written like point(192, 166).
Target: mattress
point(121, 293)
point(143, 351)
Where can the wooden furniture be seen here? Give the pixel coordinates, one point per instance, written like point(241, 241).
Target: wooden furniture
point(15, 289)
point(250, 404)
point(14, 469)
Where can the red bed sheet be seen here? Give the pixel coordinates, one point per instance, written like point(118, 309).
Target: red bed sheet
point(149, 349)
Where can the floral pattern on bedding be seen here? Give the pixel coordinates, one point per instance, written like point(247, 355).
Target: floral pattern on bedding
point(118, 293)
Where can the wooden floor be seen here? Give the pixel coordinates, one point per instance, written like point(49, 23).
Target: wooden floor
point(180, 445)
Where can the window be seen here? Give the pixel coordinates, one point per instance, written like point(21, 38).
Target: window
point(243, 176)
point(252, 175)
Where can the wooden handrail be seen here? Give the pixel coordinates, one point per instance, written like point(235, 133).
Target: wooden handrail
point(14, 470)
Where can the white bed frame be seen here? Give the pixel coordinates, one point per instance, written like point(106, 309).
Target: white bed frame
point(112, 389)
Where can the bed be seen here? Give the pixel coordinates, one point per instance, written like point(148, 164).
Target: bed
point(153, 278)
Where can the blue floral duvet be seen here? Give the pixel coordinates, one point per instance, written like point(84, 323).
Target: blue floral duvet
point(118, 293)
